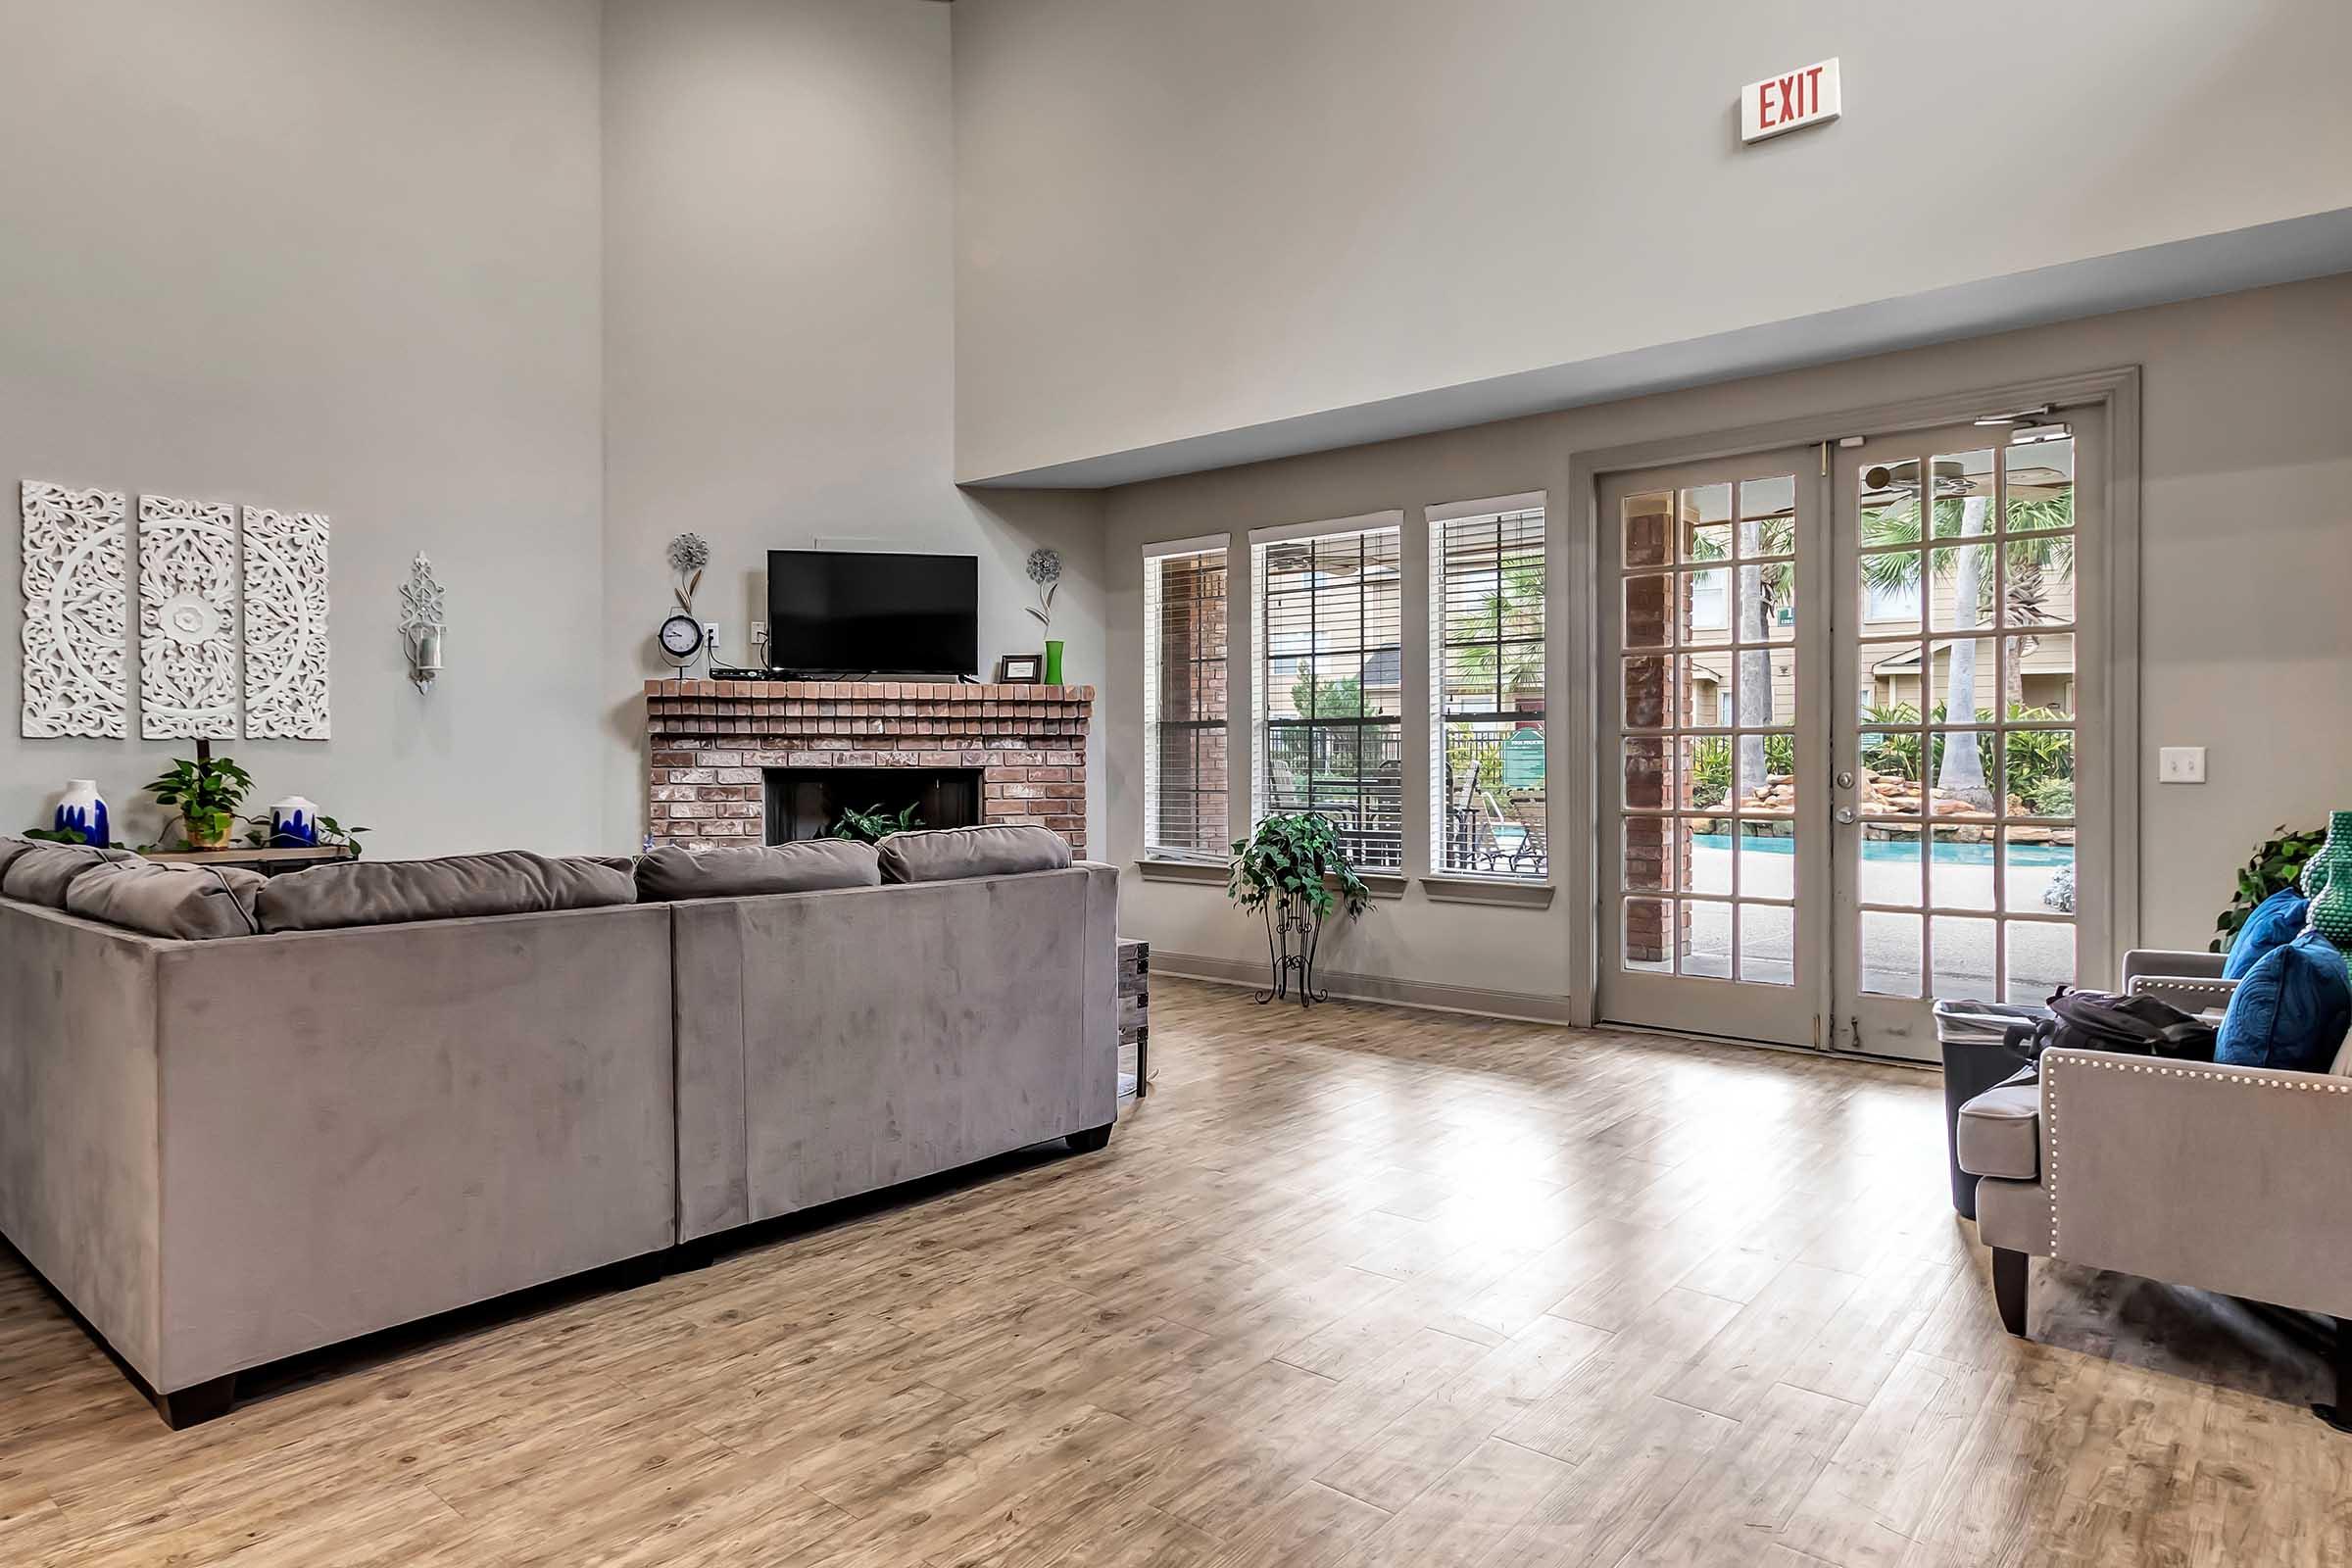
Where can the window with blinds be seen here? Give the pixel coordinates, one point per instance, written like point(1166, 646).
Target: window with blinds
point(1329, 687)
point(1487, 586)
point(1183, 704)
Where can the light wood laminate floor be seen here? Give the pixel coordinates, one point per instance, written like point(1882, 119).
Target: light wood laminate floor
point(1361, 1287)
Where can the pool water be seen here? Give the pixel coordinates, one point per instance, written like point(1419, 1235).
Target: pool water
point(1889, 850)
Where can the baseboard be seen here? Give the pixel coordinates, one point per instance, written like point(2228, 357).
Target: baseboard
point(1429, 994)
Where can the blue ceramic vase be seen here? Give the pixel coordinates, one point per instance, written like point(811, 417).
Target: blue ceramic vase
point(84, 810)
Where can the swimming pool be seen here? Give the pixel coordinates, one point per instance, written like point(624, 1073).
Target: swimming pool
point(1889, 850)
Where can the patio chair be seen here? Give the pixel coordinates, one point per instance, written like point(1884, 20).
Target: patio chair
point(1510, 839)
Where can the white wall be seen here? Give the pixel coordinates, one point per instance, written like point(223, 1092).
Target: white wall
point(529, 287)
point(780, 212)
point(340, 258)
point(1179, 219)
point(2246, 534)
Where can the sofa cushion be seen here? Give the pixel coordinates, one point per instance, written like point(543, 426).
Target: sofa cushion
point(40, 873)
point(460, 886)
point(2000, 1132)
point(189, 902)
point(2292, 1009)
point(949, 855)
point(674, 872)
point(11, 847)
point(2276, 921)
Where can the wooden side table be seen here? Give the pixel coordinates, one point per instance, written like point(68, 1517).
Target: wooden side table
point(1135, 1004)
point(269, 862)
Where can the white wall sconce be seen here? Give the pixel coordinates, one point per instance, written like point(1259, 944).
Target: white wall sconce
point(421, 623)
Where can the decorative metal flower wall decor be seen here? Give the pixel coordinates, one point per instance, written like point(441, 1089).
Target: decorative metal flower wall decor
point(1044, 570)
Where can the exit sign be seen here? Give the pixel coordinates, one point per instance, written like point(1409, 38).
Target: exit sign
point(1777, 104)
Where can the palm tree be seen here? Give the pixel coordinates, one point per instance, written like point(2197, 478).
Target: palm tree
point(1961, 513)
point(1764, 591)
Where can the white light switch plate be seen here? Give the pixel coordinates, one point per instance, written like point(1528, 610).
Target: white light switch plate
point(2181, 765)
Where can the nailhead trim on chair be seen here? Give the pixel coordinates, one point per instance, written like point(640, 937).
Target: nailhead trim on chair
point(2050, 1102)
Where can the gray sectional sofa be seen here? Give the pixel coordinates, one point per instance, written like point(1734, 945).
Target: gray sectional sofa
point(281, 1116)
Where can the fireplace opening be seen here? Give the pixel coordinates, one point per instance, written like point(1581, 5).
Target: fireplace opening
point(806, 802)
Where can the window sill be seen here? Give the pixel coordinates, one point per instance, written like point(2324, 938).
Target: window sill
point(1155, 869)
point(1498, 891)
point(1380, 884)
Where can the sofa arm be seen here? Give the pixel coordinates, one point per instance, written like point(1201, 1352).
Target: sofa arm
point(2189, 981)
point(2226, 1178)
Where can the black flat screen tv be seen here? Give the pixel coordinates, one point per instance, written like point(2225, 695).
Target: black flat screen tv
point(871, 613)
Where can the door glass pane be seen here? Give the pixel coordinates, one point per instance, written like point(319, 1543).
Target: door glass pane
point(1890, 785)
point(1767, 687)
point(1959, 587)
point(1706, 774)
point(1767, 859)
point(1963, 682)
point(1647, 678)
point(1891, 954)
point(1964, 956)
point(1704, 682)
point(1960, 869)
point(1768, 516)
point(1886, 684)
point(2040, 778)
point(1764, 601)
point(2041, 959)
point(1648, 772)
point(1703, 606)
point(1768, 772)
point(1649, 529)
point(2038, 675)
point(1891, 865)
point(1963, 494)
point(1767, 944)
point(1706, 856)
point(1887, 584)
point(1647, 923)
point(1646, 622)
point(1706, 541)
point(2037, 871)
point(1962, 766)
point(2041, 486)
point(2039, 589)
point(1648, 868)
point(1706, 948)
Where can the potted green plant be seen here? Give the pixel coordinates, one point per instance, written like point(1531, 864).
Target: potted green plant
point(1293, 871)
point(2277, 866)
point(206, 791)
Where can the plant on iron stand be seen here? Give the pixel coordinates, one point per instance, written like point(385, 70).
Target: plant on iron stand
point(2277, 866)
point(1293, 871)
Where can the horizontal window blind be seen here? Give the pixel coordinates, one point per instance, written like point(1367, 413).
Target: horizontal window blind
point(1183, 704)
point(1330, 686)
point(1487, 627)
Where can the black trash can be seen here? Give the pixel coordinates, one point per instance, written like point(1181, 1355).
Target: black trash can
point(1977, 1053)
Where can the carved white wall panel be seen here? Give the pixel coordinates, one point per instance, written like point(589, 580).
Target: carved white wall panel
point(187, 619)
point(285, 624)
point(76, 616)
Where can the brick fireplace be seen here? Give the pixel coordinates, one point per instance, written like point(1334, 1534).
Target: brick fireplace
point(718, 746)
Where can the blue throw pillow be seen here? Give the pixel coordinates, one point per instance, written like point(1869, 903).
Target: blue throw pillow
point(2276, 921)
point(2290, 1011)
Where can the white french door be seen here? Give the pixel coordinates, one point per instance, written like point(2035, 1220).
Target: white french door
point(1714, 862)
point(1970, 776)
point(1852, 718)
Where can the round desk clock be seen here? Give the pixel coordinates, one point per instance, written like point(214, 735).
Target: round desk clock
point(681, 640)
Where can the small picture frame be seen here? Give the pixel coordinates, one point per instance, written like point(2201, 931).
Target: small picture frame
point(1020, 669)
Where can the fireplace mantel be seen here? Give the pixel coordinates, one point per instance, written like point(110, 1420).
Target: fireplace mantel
point(713, 741)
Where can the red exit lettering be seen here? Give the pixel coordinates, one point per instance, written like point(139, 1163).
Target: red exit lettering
point(1786, 98)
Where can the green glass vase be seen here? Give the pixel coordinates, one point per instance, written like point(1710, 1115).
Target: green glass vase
point(2327, 882)
point(1053, 663)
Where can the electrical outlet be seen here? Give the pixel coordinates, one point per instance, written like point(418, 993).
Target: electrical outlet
point(2181, 765)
